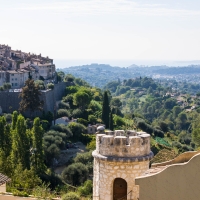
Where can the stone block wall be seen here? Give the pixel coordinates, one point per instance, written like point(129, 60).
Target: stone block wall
point(106, 172)
point(9, 101)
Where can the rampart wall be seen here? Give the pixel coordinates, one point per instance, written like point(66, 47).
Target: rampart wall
point(9, 101)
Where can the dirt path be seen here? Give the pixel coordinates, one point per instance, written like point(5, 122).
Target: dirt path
point(67, 154)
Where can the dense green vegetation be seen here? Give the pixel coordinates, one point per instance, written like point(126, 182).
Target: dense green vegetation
point(158, 111)
point(30, 149)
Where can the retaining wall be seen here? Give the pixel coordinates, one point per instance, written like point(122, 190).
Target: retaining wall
point(9, 101)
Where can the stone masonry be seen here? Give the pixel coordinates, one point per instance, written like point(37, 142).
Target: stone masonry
point(120, 155)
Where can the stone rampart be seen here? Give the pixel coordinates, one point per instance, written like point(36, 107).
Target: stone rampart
point(9, 101)
point(121, 144)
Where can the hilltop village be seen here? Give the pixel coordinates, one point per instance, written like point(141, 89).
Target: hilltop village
point(17, 66)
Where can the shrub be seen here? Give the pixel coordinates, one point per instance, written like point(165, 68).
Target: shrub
point(192, 144)
point(77, 129)
point(86, 189)
point(82, 121)
point(8, 117)
point(184, 138)
point(158, 133)
point(63, 128)
point(50, 86)
point(84, 158)
point(91, 145)
point(77, 113)
point(75, 174)
point(6, 86)
point(71, 196)
point(40, 83)
point(63, 105)
point(118, 121)
point(45, 124)
point(63, 113)
point(92, 119)
point(177, 144)
point(19, 193)
point(1, 88)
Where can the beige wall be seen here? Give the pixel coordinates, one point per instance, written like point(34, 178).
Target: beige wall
point(26, 64)
point(176, 182)
point(3, 188)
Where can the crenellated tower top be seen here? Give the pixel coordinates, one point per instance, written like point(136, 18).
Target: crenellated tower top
point(123, 144)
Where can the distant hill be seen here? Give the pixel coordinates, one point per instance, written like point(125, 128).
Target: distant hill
point(99, 75)
point(178, 70)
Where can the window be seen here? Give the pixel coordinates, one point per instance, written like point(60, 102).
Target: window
point(16, 79)
point(15, 84)
point(12, 74)
point(12, 79)
point(12, 84)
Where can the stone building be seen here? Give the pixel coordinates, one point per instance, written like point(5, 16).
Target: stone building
point(119, 158)
point(19, 64)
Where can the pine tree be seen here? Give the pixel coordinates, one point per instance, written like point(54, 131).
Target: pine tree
point(105, 109)
point(37, 149)
point(30, 97)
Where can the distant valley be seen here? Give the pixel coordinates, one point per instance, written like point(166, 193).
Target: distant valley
point(99, 75)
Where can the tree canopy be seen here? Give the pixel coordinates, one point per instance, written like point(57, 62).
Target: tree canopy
point(30, 97)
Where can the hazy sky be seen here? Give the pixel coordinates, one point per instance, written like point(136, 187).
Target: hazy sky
point(103, 29)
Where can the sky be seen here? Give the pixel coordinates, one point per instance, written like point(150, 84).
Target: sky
point(121, 32)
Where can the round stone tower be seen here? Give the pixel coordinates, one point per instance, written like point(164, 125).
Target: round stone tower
point(119, 158)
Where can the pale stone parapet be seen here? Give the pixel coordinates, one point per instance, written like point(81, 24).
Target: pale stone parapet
point(121, 144)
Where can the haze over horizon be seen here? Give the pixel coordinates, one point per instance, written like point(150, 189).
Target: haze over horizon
point(113, 31)
point(60, 63)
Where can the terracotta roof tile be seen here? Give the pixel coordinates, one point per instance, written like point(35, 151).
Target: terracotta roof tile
point(4, 179)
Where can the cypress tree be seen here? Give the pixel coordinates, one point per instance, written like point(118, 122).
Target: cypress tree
point(37, 149)
point(111, 121)
point(2, 125)
point(105, 109)
point(14, 119)
point(21, 144)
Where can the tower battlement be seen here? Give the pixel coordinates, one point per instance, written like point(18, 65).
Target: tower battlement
point(123, 144)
